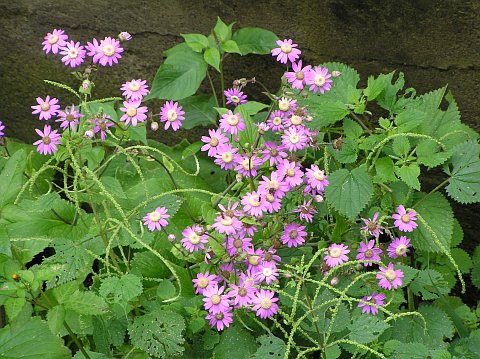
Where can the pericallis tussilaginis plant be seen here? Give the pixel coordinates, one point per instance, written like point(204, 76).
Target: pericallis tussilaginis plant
point(297, 227)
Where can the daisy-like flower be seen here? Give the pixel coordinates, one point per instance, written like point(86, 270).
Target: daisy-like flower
point(405, 221)
point(232, 123)
point(235, 97)
point(275, 120)
point(231, 209)
point(49, 139)
point(69, 118)
point(293, 235)
point(372, 299)
point(399, 247)
point(227, 225)
point(306, 211)
point(73, 54)
point(133, 112)
point(319, 80)
point(215, 300)
point(254, 203)
point(273, 203)
point(274, 185)
point(157, 219)
point(297, 76)
point(217, 138)
point(266, 272)
point(221, 320)
point(54, 40)
point(203, 280)
point(265, 303)
point(108, 52)
point(135, 89)
point(247, 166)
point(316, 178)
point(171, 113)
point(336, 255)
point(286, 105)
point(372, 226)
point(225, 156)
point(294, 139)
point(238, 244)
point(92, 47)
point(273, 152)
point(368, 252)
point(291, 173)
point(2, 127)
point(192, 241)
point(286, 52)
point(46, 108)
point(242, 294)
point(102, 125)
point(295, 120)
point(389, 277)
point(253, 260)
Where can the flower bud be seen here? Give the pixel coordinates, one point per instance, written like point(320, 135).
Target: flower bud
point(86, 84)
point(199, 230)
point(124, 36)
point(89, 134)
point(238, 177)
point(154, 126)
point(334, 281)
point(336, 73)
point(319, 198)
point(171, 237)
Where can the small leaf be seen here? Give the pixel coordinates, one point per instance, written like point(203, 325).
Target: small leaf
point(231, 47)
point(121, 289)
point(366, 329)
point(251, 107)
point(212, 57)
point(401, 146)
point(385, 170)
point(166, 290)
point(374, 87)
point(222, 31)
point(55, 318)
point(197, 42)
point(351, 128)
point(409, 174)
point(254, 40)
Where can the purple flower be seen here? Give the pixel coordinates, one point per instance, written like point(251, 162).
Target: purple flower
point(376, 299)
point(227, 225)
point(275, 120)
point(399, 247)
point(242, 295)
point(133, 112)
point(73, 54)
point(232, 123)
point(296, 121)
point(171, 113)
point(294, 235)
point(319, 80)
point(102, 125)
point(368, 252)
point(156, 219)
point(405, 221)
point(266, 272)
point(216, 139)
point(203, 281)
point(225, 155)
point(92, 48)
point(336, 255)
point(69, 118)
point(135, 89)
point(265, 303)
point(247, 166)
point(254, 203)
point(273, 152)
point(286, 105)
point(274, 185)
point(2, 127)
point(291, 173)
point(316, 178)
point(54, 40)
point(235, 96)
point(306, 211)
point(231, 209)
point(192, 241)
point(238, 244)
point(388, 277)
point(297, 77)
point(49, 139)
point(372, 226)
point(294, 139)
point(221, 319)
point(286, 52)
point(108, 52)
point(46, 108)
point(215, 302)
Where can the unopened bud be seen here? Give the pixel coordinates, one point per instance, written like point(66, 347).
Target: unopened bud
point(336, 73)
point(86, 84)
point(319, 198)
point(154, 126)
point(334, 281)
point(359, 266)
point(199, 230)
point(238, 177)
point(171, 237)
point(89, 134)
point(124, 36)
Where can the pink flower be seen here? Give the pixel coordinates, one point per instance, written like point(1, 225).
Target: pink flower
point(388, 277)
point(286, 105)
point(49, 139)
point(275, 120)
point(221, 319)
point(203, 281)
point(2, 127)
point(227, 225)
point(399, 247)
point(273, 152)
point(135, 89)
point(92, 48)
point(54, 40)
point(231, 209)
point(243, 294)
point(372, 226)
point(171, 113)
point(286, 52)
point(368, 252)
point(238, 244)
point(215, 302)
point(336, 255)
point(69, 118)
point(319, 80)
point(294, 139)
point(274, 185)
point(193, 241)
point(306, 211)
point(102, 125)
point(225, 155)
point(266, 272)
point(294, 235)
point(254, 203)
point(235, 96)
point(133, 112)
point(297, 77)
point(316, 178)
point(46, 108)
point(73, 54)
point(217, 138)
point(290, 172)
point(108, 52)
point(372, 299)
point(247, 166)
point(405, 221)
point(157, 219)
point(232, 123)
point(265, 303)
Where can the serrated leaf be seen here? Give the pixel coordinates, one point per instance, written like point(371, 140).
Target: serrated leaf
point(429, 283)
point(55, 318)
point(409, 174)
point(462, 259)
point(254, 40)
point(212, 57)
point(348, 152)
point(351, 128)
point(409, 119)
point(365, 329)
point(87, 303)
point(385, 170)
point(236, 340)
point(388, 97)
point(374, 87)
point(122, 289)
point(158, 333)
point(401, 146)
point(166, 290)
point(349, 191)
point(409, 273)
point(430, 154)
point(270, 347)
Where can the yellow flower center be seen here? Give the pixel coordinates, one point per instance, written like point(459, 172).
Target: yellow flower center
point(290, 172)
point(216, 299)
point(319, 80)
point(286, 48)
point(296, 120)
point(294, 138)
point(227, 221)
point(401, 249)
point(390, 274)
point(214, 142)
point(267, 272)
point(194, 238)
point(253, 260)
point(53, 39)
point(73, 53)
point(134, 86)
point(270, 198)
point(254, 201)
point(232, 120)
point(247, 164)
point(131, 111)
point(299, 75)
point(202, 282)
point(266, 303)
point(45, 106)
point(154, 216)
point(227, 157)
point(405, 218)
point(284, 105)
point(335, 252)
point(277, 121)
point(172, 115)
point(273, 185)
point(108, 50)
point(319, 175)
point(235, 99)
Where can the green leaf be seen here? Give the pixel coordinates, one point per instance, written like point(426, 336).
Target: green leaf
point(326, 112)
point(348, 152)
point(464, 184)
point(351, 128)
point(409, 119)
point(95, 156)
point(158, 333)
point(409, 174)
point(374, 87)
point(405, 350)
point(401, 146)
point(55, 318)
point(236, 340)
point(179, 76)
point(436, 211)
point(32, 340)
point(113, 186)
point(199, 111)
point(366, 329)
point(385, 170)
point(11, 177)
point(210, 339)
point(349, 191)
point(222, 31)
point(388, 97)
point(409, 274)
point(428, 283)
point(254, 40)
point(462, 259)
point(430, 154)
point(270, 347)
point(121, 290)
point(251, 107)
point(87, 303)
point(138, 133)
point(212, 57)
point(192, 149)
point(166, 290)
point(231, 47)
point(197, 42)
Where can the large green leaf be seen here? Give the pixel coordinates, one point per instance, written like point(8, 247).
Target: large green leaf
point(349, 191)
point(11, 177)
point(270, 347)
point(236, 340)
point(199, 111)
point(180, 75)
point(254, 40)
point(365, 329)
point(121, 290)
point(32, 340)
